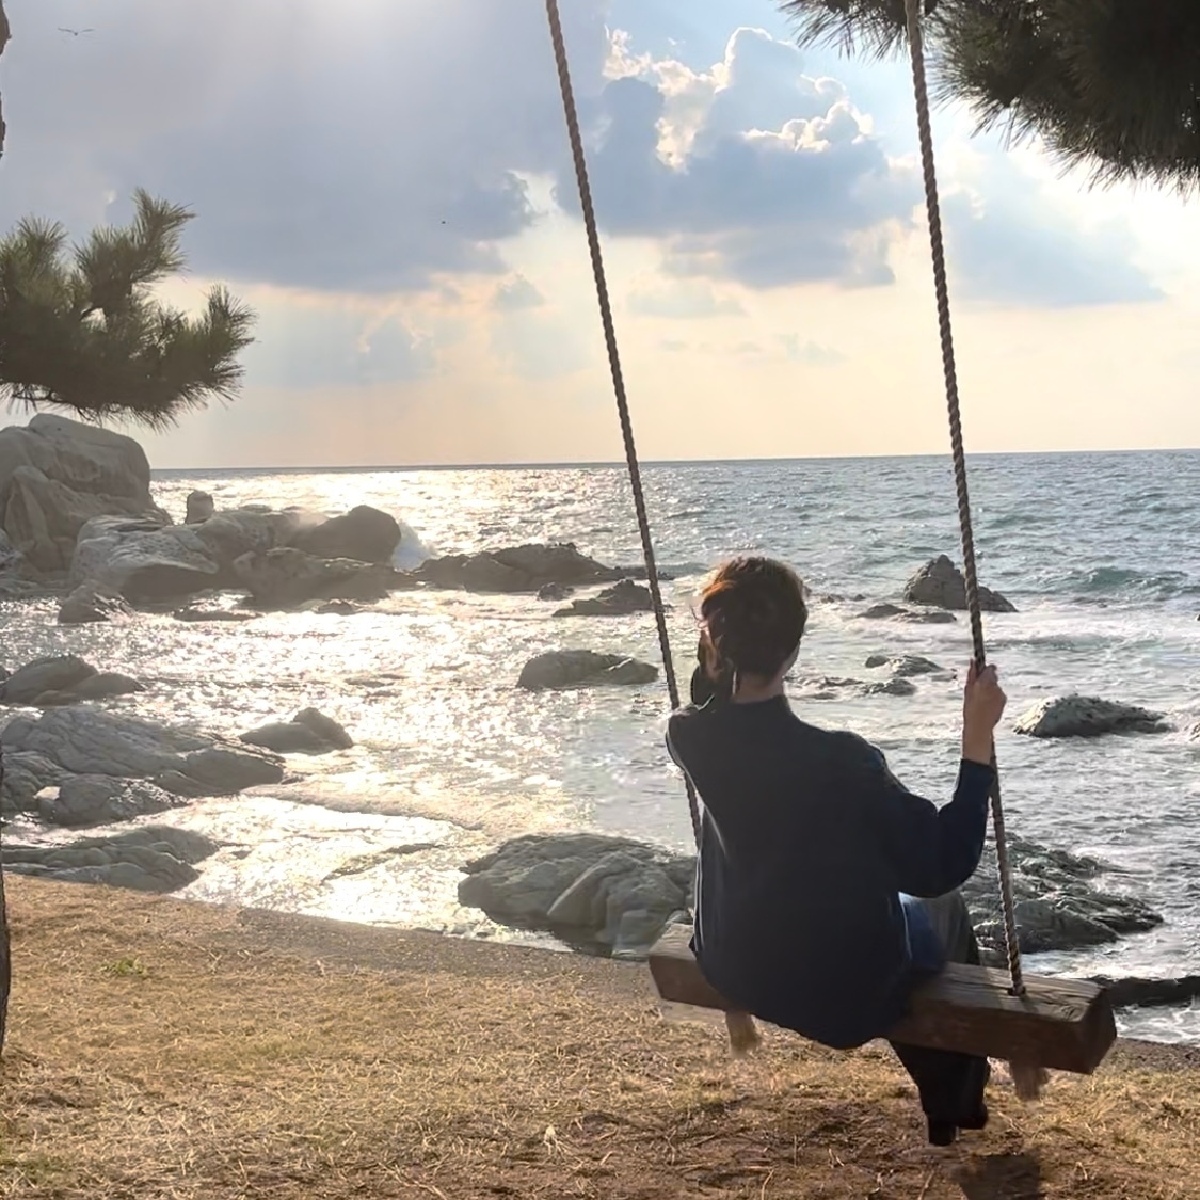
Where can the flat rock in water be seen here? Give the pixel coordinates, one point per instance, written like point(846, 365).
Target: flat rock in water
point(194, 614)
point(905, 666)
point(894, 612)
point(58, 673)
point(87, 800)
point(1086, 716)
point(617, 601)
point(583, 668)
point(286, 578)
point(150, 859)
point(92, 741)
point(308, 732)
point(526, 568)
point(940, 584)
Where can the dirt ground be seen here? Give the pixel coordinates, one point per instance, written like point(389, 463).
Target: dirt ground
point(159, 1049)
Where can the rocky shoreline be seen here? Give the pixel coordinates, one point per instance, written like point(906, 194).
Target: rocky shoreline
point(78, 523)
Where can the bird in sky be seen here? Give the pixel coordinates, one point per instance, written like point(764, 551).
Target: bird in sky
point(75, 32)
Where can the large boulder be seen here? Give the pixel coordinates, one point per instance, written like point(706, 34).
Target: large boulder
point(364, 534)
point(145, 562)
point(56, 474)
point(308, 732)
point(25, 776)
point(526, 568)
point(598, 892)
point(91, 741)
point(583, 668)
point(286, 578)
point(150, 859)
point(1086, 716)
point(940, 584)
point(617, 601)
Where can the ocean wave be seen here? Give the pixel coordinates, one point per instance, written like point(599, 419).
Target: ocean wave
point(1115, 581)
point(412, 551)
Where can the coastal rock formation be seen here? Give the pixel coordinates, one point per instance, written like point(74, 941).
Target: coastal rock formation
point(363, 534)
point(91, 741)
point(940, 584)
point(526, 568)
point(593, 891)
point(150, 562)
point(308, 732)
point(88, 605)
point(200, 507)
point(150, 859)
point(1086, 716)
point(893, 612)
point(63, 679)
point(286, 578)
point(583, 668)
point(56, 474)
point(87, 800)
point(617, 601)
point(554, 591)
point(608, 893)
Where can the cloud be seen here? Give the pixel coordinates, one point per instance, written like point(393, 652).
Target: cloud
point(683, 301)
point(316, 343)
point(516, 294)
point(359, 147)
point(1010, 243)
point(749, 171)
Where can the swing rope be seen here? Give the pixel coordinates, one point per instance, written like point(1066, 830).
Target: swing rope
point(618, 376)
point(937, 248)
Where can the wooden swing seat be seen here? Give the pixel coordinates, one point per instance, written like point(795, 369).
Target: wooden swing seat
point(1060, 1024)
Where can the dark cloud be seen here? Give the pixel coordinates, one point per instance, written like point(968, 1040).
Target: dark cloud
point(359, 146)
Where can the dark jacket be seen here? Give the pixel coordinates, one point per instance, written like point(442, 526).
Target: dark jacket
point(807, 841)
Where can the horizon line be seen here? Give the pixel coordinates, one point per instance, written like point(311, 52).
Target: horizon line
point(563, 465)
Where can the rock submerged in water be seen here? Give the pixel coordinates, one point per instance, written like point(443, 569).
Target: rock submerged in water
point(1086, 717)
point(196, 614)
point(905, 666)
point(617, 601)
point(285, 577)
point(527, 568)
point(894, 612)
point(583, 668)
point(308, 732)
point(940, 584)
point(613, 894)
point(151, 859)
point(63, 679)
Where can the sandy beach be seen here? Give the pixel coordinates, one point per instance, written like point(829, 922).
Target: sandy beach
point(163, 1049)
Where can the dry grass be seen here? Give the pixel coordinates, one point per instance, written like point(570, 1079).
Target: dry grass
point(164, 1050)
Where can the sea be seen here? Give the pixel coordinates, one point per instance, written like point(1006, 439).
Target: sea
point(1099, 552)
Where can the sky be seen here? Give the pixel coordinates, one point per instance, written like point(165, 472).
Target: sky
point(389, 185)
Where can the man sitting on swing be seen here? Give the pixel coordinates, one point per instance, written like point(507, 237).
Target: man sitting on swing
point(826, 890)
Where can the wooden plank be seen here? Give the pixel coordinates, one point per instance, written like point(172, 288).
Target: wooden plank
point(1061, 1024)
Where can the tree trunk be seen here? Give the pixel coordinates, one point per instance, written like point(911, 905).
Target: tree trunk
point(5, 944)
point(5, 34)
